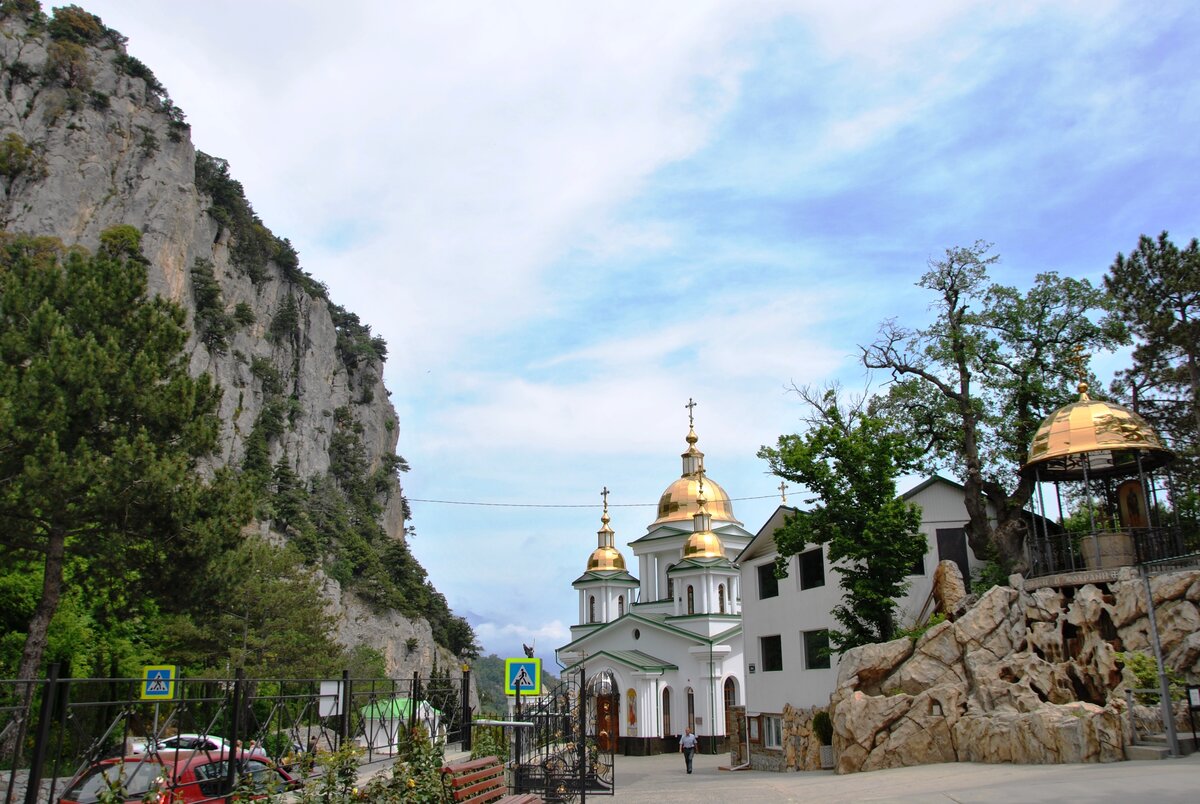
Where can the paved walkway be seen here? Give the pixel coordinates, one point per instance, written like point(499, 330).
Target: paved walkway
point(662, 780)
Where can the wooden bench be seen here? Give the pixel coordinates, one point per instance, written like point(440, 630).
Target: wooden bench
point(481, 781)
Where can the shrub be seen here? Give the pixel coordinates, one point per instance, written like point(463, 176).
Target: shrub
point(243, 314)
point(73, 24)
point(16, 157)
point(822, 727)
point(213, 324)
point(283, 325)
point(1142, 671)
point(67, 63)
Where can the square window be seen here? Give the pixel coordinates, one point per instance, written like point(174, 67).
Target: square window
point(816, 649)
point(918, 567)
point(812, 569)
point(771, 648)
point(772, 731)
point(768, 584)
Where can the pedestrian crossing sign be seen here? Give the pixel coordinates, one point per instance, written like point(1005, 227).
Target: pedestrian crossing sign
point(527, 673)
point(158, 682)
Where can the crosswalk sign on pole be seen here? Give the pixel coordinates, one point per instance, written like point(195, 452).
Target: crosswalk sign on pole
point(523, 674)
point(158, 682)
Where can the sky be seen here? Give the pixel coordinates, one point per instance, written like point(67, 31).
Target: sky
point(568, 219)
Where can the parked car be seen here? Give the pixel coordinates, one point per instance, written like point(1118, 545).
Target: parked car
point(180, 742)
point(177, 778)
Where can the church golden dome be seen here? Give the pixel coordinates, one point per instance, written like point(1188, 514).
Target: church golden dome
point(679, 502)
point(605, 556)
point(1106, 438)
point(703, 543)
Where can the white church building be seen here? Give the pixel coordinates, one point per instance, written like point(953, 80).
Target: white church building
point(670, 643)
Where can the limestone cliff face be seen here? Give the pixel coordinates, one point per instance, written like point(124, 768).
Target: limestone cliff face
point(89, 140)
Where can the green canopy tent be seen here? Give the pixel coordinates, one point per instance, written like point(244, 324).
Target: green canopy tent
point(384, 721)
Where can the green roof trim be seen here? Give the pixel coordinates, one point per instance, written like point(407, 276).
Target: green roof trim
point(630, 658)
point(601, 576)
point(660, 624)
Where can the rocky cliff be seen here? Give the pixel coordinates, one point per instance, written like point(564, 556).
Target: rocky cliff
point(90, 139)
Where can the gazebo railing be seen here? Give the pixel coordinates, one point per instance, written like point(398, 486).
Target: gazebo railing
point(1109, 548)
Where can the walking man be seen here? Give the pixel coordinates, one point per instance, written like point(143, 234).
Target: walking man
point(687, 745)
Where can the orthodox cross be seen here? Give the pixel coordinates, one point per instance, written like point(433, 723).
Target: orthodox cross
point(690, 405)
point(604, 494)
point(783, 491)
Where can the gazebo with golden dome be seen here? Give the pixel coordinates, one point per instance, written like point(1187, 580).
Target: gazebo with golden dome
point(1109, 455)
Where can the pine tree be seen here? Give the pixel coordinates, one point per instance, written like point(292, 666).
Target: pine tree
point(101, 425)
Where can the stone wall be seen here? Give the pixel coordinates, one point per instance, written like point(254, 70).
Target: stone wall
point(1030, 677)
point(800, 750)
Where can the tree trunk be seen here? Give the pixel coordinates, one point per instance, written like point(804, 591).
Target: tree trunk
point(36, 639)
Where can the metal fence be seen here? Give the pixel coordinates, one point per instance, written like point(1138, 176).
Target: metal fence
point(1054, 553)
point(54, 728)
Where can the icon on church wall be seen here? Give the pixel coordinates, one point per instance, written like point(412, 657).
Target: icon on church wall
point(631, 716)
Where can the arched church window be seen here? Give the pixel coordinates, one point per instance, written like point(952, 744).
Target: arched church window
point(620, 605)
point(591, 608)
point(730, 692)
point(691, 600)
point(670, 583)
point(721, 598)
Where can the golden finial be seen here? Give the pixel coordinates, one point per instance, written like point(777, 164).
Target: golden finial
point(783, 491)
point(1079, 360)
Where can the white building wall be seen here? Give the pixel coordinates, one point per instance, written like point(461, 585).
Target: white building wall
point(795, 611)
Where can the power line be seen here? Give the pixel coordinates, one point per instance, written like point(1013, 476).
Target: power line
point(561, 505)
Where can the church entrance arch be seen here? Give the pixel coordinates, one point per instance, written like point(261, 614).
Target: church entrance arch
point(606, 696)
point(730, 692)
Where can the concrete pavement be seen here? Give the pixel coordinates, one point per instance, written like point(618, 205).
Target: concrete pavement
point(662, 780)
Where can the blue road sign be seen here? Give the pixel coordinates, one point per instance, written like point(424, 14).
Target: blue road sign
point(158, 682)
point(527, 673)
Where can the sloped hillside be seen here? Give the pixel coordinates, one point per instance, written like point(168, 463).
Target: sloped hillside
point(90, 139)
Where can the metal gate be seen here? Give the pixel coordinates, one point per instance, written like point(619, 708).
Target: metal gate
point(562, 755)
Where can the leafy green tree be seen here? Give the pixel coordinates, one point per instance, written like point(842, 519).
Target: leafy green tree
point(101, 426)
point(850, 460)
point(974, 385)
point(1155, 294)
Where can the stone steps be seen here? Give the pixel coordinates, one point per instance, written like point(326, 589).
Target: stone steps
point(1154, 746)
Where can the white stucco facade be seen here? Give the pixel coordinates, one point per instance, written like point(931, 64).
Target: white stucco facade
point(779, 669)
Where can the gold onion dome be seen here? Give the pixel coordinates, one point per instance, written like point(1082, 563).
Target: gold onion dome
point(703, 543)
point(1106, 438)
point(679, 502)
point(605, 556)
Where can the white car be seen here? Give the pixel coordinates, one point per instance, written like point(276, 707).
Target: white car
point(181, 742)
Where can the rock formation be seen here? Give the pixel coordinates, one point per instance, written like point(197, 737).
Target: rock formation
point(89, 139)
point(1022, 676)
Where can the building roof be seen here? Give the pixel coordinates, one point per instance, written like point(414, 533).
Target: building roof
point(638, 660)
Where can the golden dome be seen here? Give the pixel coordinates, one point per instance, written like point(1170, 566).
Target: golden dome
point(678, 502)
point(703, 544)
point(1104, 437)
point(605, 556)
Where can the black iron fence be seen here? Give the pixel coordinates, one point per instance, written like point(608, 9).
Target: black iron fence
point(1111, 548)
point(55, 728)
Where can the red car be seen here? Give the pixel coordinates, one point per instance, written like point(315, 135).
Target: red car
point(183, 777)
